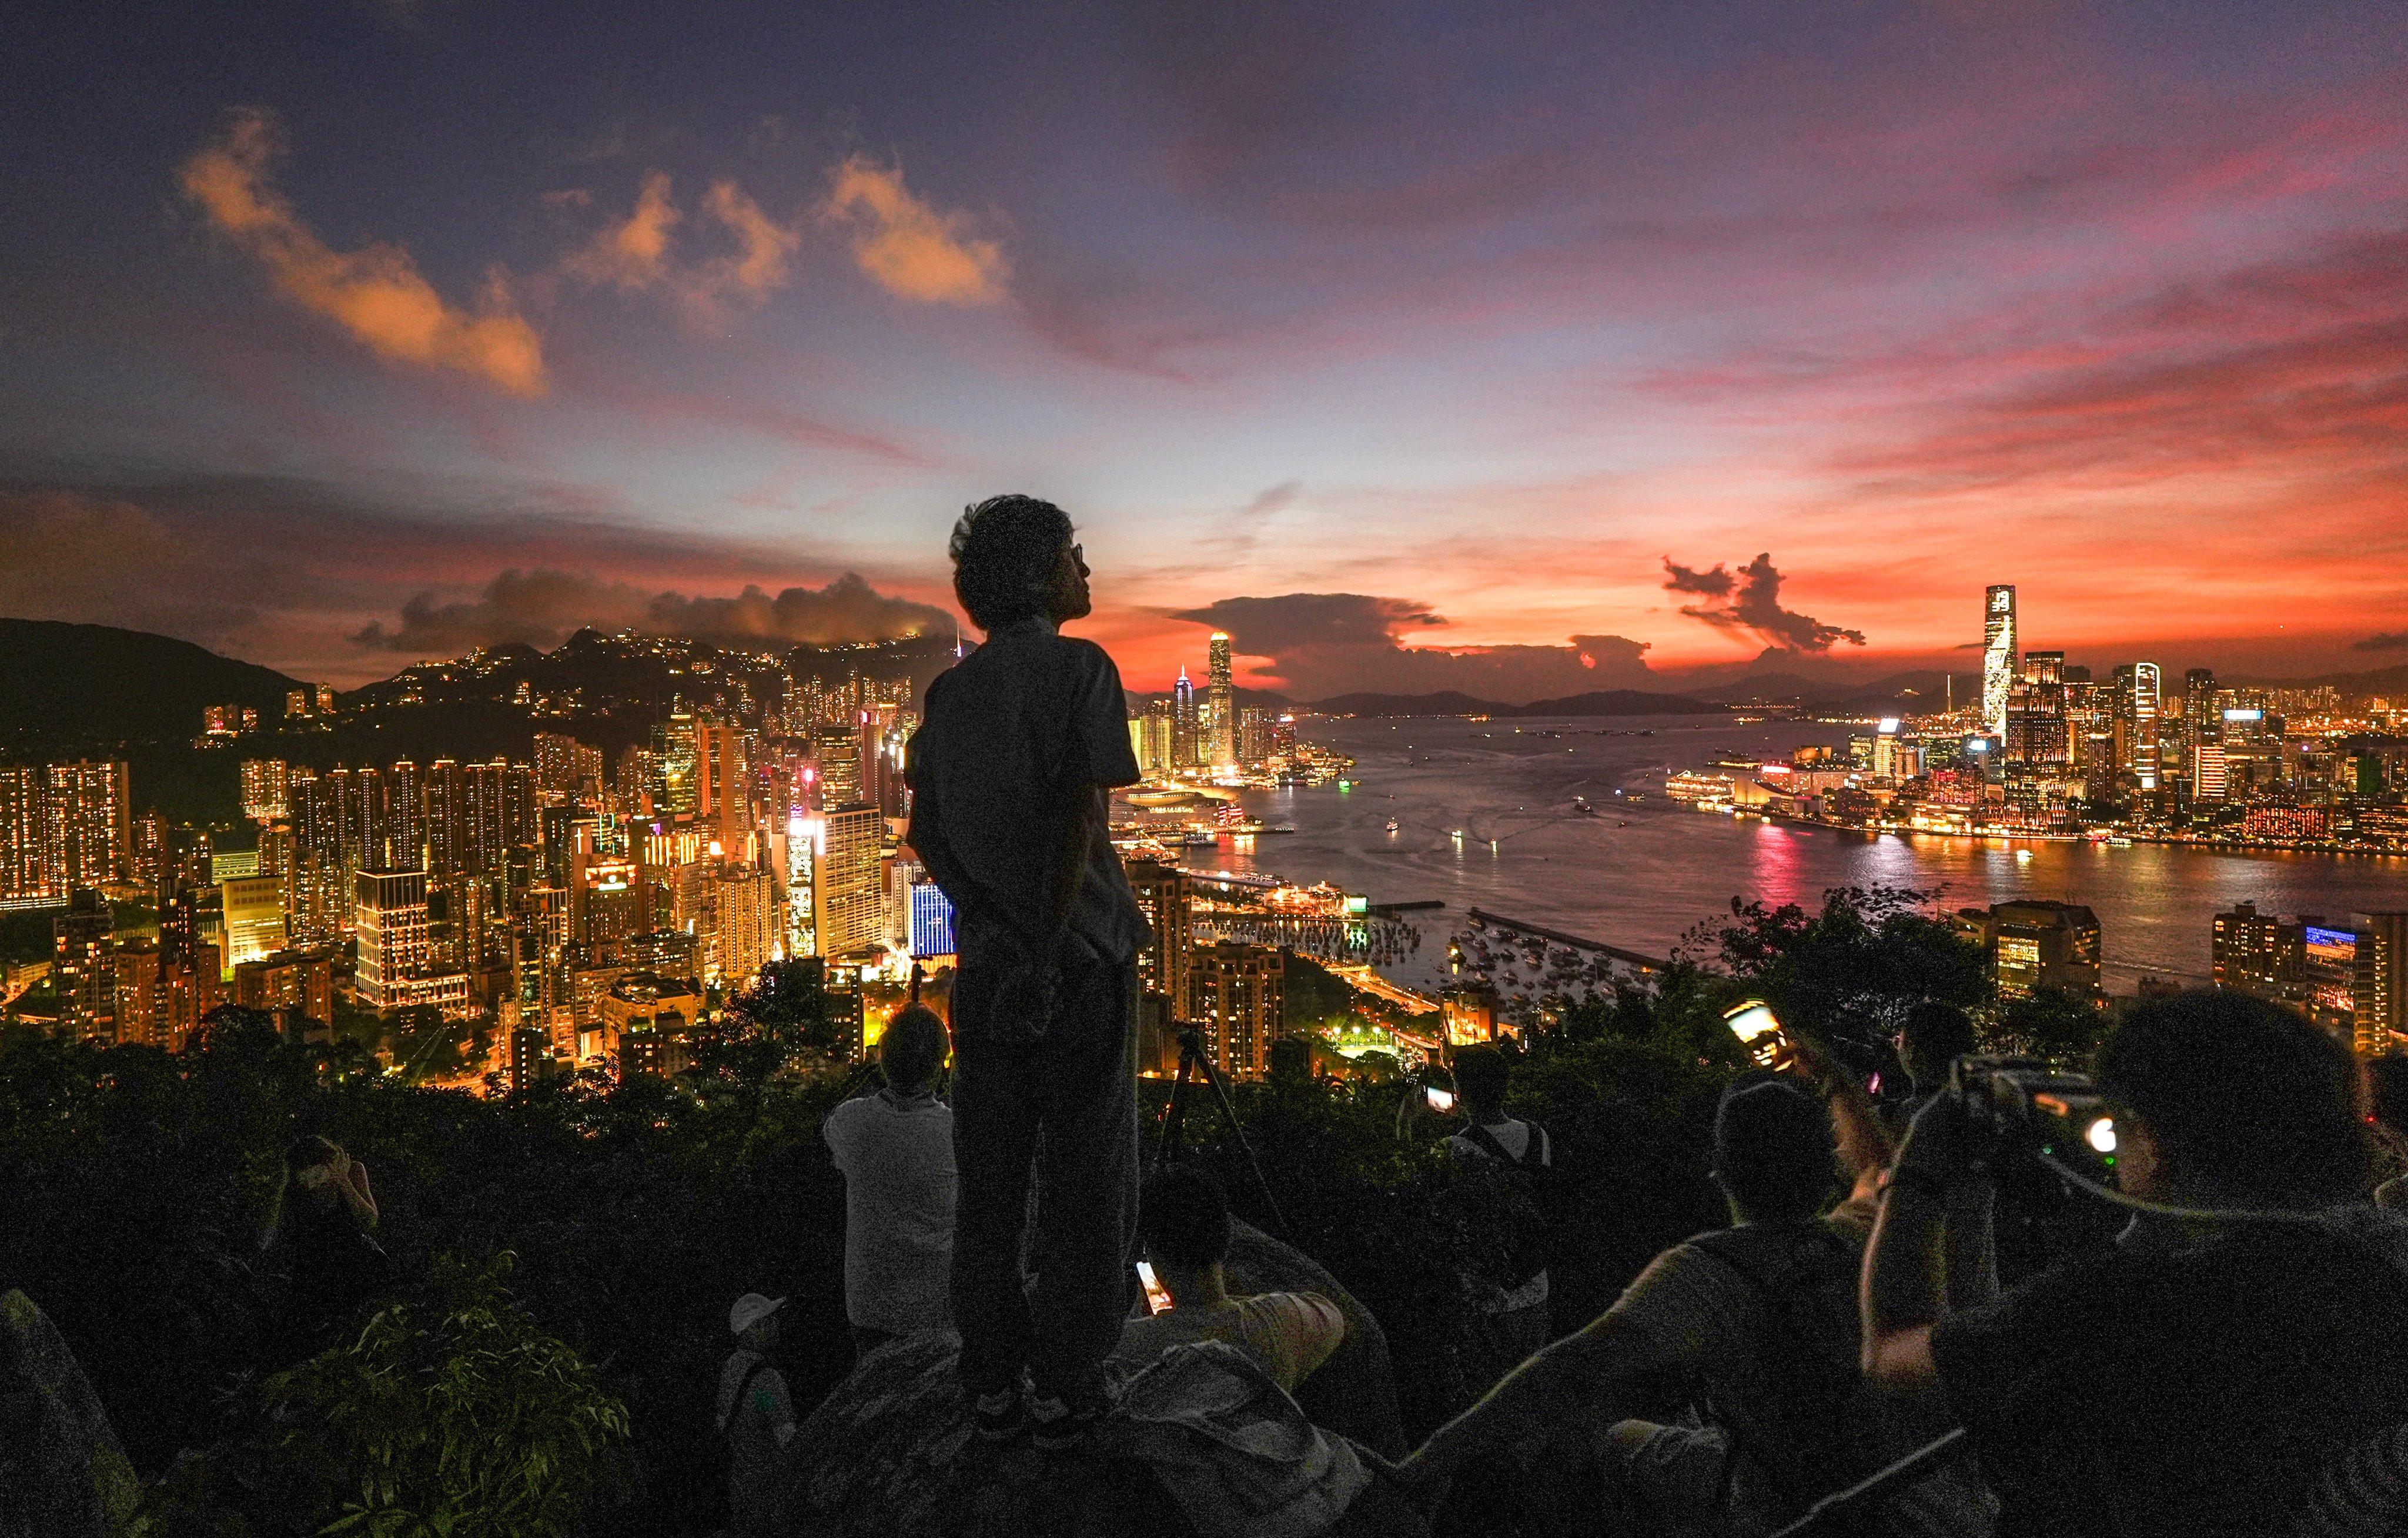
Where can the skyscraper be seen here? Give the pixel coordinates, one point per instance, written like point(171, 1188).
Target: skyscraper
point(1998, 657)
point(1183, 745)
point(1222, 747)
point(2139, 702)
point(264, 784)
point(2382, 991)
point(1238, 994)
point(848, 900)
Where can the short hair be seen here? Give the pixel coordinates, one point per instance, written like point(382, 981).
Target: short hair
point(1773, 1150)
point(1184, 1216)
point(1935, 1036)
point(1482, 1076)
point(913, 1047)
point(1005, 551)
point(2241, 1097)
point(2387, 1091)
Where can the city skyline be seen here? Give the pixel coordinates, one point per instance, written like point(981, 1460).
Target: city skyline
point(1655, 341)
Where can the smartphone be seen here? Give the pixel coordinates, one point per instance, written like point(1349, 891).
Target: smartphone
point(1758, 1032)
point(1440, 1100)
point(1157, 1297)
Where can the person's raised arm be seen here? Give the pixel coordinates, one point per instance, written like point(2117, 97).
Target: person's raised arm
point(1865, 1145)
point(1903, 1286)
point(1594, 1374)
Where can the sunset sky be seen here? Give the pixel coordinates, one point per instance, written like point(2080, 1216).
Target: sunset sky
point(339, 334)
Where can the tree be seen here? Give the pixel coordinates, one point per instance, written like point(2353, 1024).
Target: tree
point(1854, 967)
point(787, 1003)
point(2049, 1022)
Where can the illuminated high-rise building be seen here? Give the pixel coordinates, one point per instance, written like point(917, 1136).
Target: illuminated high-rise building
point(673, 755)
point(2381, 1018)
point(390, 919)
point(722, 783)
point(404, 818)
point(1238, 998)
point(26, 879)
point(1998, 657)
point(932, 922)
point(848, 898)
point(838, 750)
point(555, 769)
point(253, 909)
point(1183, 745)
point(265, 783)
point(1163, 896)
point(1222, 747)
point(2139, 703)
point(744, 923)
point(80, 967)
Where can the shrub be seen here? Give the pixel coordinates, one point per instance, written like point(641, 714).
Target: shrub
point(456, 1418)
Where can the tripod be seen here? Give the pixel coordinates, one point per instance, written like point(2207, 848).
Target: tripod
point(1193, 1061)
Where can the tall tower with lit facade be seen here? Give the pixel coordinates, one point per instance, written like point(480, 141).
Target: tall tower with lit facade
point(1998, 657)
point(1183, 745)
point(1224, 702)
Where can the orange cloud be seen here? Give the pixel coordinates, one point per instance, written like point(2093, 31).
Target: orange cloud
point(908, 247)
point(374, 293)
point(636, 253)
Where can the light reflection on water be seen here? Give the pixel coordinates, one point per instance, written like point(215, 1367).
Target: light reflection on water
point(1640, 886)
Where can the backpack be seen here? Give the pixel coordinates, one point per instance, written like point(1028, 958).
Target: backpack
point(1523, 1192)
point(1804, 1276)
point(718, 1461)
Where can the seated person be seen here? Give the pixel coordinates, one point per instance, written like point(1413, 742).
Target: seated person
point(1183, 1219)
point(2197, 1375)
point(1934, 1037)
point(320, 1241)
point(895, 1148)
point(1514, 1315)
point(1747, 1322)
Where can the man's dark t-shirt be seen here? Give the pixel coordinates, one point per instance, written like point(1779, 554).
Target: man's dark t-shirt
point(2195, 1391)
point(1011, 736)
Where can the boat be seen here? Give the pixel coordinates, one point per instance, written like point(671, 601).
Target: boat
point(1580, 807)
point(1392, 825)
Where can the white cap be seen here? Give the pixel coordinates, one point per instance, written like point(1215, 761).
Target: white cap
point(751, 1310)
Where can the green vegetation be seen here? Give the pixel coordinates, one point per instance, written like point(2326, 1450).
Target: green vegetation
point(133, 1183)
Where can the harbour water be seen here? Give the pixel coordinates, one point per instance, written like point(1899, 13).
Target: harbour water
point(1642, 871)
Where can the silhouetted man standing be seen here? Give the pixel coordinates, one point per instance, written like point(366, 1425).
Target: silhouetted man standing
point(1011, 773)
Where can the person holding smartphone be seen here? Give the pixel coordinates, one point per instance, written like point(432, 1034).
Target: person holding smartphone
point(1183, 1218)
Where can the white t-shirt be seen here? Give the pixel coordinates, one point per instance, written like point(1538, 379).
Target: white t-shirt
point(1287, 1333)
point(898, 1158)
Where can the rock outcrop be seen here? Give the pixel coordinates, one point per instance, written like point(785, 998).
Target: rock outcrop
point(889, 1454)
point(62, 1471)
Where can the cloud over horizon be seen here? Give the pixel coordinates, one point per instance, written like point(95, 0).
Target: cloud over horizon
point(1749, 601)
point(375, 292)
point(1319, 645)
point(543, 607)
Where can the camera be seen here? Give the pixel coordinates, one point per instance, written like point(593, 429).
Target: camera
point(2018, 1107)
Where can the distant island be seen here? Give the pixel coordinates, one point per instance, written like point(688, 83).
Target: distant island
point(1451, 702)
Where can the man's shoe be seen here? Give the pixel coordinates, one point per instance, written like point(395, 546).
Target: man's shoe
point(999, 1416)
point(1056, 1428)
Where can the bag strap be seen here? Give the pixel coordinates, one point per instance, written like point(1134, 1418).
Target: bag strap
point(1487, 1142)
point(743, 1383)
